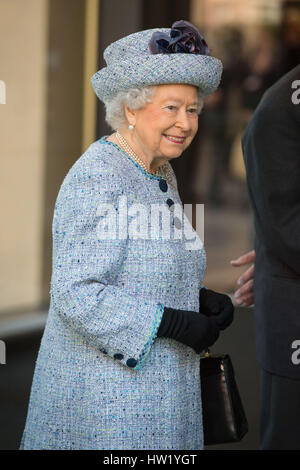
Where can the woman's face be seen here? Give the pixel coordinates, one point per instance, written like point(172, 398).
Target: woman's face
point(166, 126)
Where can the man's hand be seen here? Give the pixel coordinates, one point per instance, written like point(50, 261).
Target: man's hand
point(245, 294)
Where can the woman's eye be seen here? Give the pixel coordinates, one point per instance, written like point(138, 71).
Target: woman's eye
point(193, 110)
point(171, 108)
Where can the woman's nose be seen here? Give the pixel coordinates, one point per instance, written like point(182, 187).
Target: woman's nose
point(183, 121)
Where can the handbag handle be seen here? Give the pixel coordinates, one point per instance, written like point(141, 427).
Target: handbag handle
point(207, 353)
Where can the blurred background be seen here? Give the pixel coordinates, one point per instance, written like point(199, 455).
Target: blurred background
point(49, 49)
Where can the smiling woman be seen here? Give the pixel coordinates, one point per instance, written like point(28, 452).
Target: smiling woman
point(118, 366)
point(161, 126)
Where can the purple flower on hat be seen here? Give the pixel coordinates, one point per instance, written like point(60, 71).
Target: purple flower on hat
point(184, 38)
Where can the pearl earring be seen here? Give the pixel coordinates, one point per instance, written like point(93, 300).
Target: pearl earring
point(131, 127)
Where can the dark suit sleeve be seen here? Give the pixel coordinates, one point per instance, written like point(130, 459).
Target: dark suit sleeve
point(271, 149)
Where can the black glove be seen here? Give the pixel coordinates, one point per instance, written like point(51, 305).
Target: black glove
point(190, 328)
point(217, 305)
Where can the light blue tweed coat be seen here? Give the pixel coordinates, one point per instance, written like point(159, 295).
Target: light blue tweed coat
point(103, 380)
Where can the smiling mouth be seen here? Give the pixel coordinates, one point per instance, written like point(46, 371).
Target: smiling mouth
point(174, 139)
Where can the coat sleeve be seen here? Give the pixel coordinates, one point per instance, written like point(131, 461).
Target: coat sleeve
point(84, 284)
point(271, 148)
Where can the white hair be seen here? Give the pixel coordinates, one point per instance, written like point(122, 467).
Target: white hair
point(134, 98)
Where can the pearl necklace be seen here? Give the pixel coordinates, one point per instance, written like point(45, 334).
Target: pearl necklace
point(162, 171)
point(123, 143)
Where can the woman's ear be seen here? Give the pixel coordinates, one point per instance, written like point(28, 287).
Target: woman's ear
point(130, 115)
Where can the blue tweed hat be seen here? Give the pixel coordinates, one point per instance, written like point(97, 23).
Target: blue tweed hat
point(155, 57)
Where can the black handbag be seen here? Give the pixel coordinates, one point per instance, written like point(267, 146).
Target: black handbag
point(224, 418)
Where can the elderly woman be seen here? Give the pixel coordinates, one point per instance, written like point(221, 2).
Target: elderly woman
point(118, 365)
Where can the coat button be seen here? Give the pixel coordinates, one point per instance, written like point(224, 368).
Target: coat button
point(177, 222)
point(103, 351)
point(131, 362)
point(170, 202)
point(163, 185)
point(118, 356)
